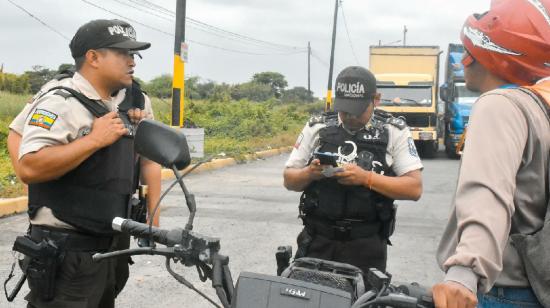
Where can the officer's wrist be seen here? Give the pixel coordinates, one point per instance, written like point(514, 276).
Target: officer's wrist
point(310, 174)
point(94, 143)
point(369, 179)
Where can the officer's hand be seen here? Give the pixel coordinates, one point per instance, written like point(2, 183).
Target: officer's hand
point(352, 175)
point(314, 170)
point(453, 294)
point(107, 129)
point(136, 115)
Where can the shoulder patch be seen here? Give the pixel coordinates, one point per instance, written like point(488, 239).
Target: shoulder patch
point(412, 147)
point(43, 118)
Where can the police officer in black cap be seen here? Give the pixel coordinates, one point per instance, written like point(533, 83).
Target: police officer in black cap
point(77, 157)
point(351, 166)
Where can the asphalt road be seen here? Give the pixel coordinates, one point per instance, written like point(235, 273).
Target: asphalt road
point(247, 207)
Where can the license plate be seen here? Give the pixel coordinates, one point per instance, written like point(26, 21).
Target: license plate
point(425, 135)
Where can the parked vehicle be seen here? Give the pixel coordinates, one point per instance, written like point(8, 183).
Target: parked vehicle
point(407, 78)
point(458, 101)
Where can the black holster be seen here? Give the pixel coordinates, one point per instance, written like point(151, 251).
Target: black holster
point(44, 259)
point(386, 214)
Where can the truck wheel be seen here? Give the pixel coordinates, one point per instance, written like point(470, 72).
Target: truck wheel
point(450, 150)
point(429, 149)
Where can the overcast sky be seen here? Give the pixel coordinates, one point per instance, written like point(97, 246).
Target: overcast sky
point(25, 42)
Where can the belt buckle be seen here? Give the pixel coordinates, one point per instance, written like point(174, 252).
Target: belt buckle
point(342, 230)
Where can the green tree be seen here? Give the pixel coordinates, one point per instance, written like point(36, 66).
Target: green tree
point(14, 84)
point(297, 94)
point(159, 86)
point(252, 91)
point(221, 93)
point(65, 67)
point(39, 76)
point(275, 80)
point(191, 87)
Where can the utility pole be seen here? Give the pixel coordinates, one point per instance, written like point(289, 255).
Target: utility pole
point(309, 68)
point(328, 105)
point(405, 35)
point(178, 81)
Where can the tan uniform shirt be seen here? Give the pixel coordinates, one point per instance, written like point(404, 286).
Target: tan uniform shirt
point(401, 154)
point(501, 190)
point(66, 120)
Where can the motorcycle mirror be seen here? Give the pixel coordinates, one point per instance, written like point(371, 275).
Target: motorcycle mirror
point(162, 144)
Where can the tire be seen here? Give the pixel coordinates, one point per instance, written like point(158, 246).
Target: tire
point(450, 150)
point(428, 149)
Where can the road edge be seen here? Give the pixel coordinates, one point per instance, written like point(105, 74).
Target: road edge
point(11, 206)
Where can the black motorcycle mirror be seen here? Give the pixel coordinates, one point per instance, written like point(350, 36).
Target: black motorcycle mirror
point(167, 147)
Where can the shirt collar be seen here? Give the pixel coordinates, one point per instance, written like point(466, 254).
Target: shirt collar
point(83, 86)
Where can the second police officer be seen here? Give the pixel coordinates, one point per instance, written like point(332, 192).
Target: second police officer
point(348, 210)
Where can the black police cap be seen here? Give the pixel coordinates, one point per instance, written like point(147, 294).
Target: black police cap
point(103, 33)
point(355, 90)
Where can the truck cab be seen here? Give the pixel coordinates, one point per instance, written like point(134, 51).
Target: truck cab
point(458, 101)
point(411, 97)
point(407, 79)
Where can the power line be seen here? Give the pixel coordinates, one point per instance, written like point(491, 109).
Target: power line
point(144, 10)
point(132, 20)
point(347, 31)
point(154, 6)
point(192, 25)
point(39, 20)
point(163, 10)
point(193, 41)
point(323, 62)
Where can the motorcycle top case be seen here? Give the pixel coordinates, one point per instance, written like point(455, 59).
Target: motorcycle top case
point(264, 291)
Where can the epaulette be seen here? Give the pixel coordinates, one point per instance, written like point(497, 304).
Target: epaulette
point(387, 118)
point(328, 118)
point(68, 73)
point(63, 93)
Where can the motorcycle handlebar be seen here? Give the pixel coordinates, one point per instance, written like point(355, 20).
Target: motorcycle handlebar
point(403, 296)
point(192, 245)
point(161, 236)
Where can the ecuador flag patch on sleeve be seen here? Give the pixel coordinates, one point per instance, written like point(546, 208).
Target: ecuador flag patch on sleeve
point(43, 118)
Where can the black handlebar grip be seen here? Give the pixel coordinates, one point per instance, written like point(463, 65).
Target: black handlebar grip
point(141, 230)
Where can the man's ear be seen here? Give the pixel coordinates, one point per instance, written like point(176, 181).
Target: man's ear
point(92, 58)
point(376, 99)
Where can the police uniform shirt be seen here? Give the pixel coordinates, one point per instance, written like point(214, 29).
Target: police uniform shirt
point(401, 154)
point(54, 120)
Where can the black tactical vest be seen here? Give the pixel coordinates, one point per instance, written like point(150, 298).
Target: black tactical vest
point(329, 200)
point(91, 195)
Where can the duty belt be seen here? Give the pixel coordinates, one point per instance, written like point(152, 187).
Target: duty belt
point(72, 240)
point(341, 230)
